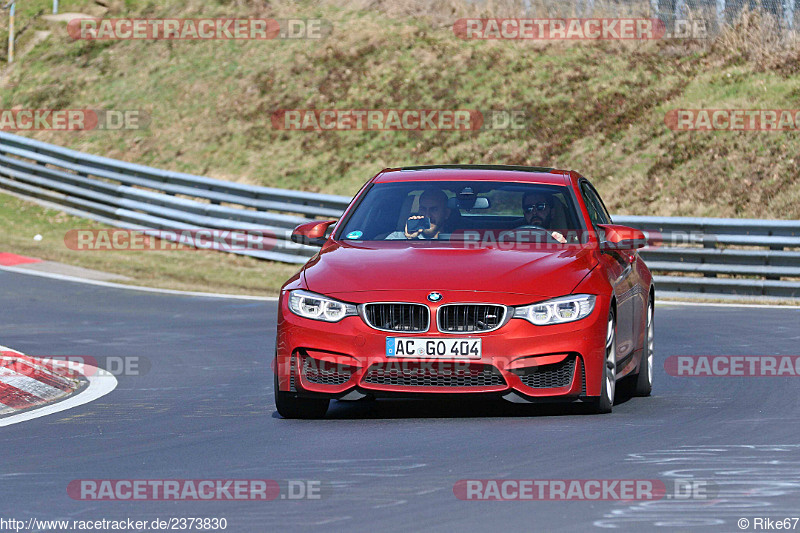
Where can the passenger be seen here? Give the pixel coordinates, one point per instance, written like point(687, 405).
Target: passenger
point(432, 204)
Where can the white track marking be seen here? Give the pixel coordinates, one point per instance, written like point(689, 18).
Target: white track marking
point(62, 277)
point(711, 304)
point(7, 349)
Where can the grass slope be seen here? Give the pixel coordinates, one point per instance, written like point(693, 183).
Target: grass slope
point(595, 107)
point(598, 108)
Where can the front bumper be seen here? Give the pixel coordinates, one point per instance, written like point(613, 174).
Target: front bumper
point(520, 361)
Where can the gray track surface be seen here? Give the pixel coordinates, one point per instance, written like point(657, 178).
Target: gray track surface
point(205, 410)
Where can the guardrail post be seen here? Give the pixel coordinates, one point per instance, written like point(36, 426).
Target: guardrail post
point(776, 247)
point(11, 34)
point(55, 7)
point(709, 241)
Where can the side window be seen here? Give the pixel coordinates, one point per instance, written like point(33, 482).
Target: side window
point(597, 211)
point(601, 207)
point(590, 206)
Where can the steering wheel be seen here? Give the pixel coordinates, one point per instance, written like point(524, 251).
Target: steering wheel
point(531, 226)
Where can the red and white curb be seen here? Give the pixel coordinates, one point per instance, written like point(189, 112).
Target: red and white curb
point(9, 259)
point(31, 387)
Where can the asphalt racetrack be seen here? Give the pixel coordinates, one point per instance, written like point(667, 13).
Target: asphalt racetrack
point(204, 410)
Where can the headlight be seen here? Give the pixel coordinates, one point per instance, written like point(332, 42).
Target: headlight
point(317, 307)
point(557, 310)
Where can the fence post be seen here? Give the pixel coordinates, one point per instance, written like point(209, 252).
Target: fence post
point(55, 7)
point(11, 34)
point(788, 12)
point(680, 9)
point(585, 8)
point(720, 13)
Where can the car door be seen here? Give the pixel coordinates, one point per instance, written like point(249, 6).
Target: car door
point(621, 274)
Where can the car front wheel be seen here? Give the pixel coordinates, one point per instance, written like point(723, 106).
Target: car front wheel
point(290, 406)
point(605, 402)
point(644, 381)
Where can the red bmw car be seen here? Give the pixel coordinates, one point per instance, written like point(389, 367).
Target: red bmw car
point(497, 281)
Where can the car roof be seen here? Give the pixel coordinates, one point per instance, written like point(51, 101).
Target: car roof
point(542, 175)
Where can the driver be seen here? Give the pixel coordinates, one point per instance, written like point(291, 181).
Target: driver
point(537, 208)
point(432, 204)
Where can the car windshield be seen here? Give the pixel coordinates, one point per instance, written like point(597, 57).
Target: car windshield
point(458, 210)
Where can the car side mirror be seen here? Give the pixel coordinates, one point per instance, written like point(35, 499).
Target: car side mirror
point(621, 238)
point(312, 233)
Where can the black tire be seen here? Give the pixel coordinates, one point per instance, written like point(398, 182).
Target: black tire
point(290, 406)
point(608, 380)
point(644, 379)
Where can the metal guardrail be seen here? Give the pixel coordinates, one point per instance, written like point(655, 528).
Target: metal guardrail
point(139, 197)
point(722, 256)
point(716, 256)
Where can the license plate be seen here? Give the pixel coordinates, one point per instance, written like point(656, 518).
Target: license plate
point(438, 348)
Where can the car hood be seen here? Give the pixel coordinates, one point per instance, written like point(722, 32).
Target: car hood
point(425, 266)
